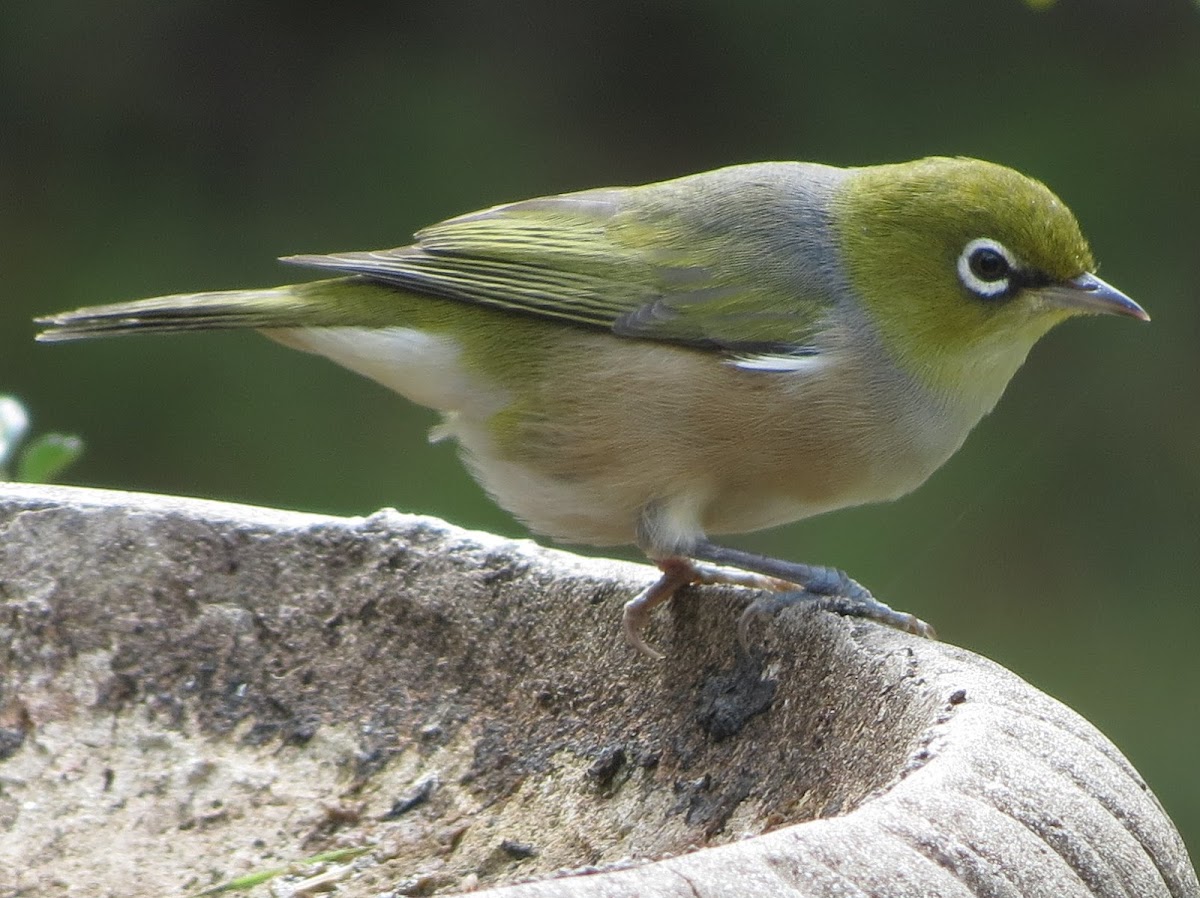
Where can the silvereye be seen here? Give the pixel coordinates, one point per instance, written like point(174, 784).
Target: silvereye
point(713, 354)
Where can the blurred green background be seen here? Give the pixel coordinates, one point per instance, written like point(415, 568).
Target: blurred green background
point(151, 147)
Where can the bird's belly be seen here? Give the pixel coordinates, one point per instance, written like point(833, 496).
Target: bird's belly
point(590, 510)
point(602, 504)
point(745, 507)
point(590, 478)
point(745, 511)
point(589, 432)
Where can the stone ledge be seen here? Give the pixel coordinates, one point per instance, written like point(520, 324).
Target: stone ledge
point(191, 691)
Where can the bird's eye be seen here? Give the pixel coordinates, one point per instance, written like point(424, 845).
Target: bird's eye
point(988, 265)
point(985, 267)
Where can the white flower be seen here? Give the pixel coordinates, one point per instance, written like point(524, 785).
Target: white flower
point(14, 424)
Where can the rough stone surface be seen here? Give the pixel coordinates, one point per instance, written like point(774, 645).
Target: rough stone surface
point(192, 691)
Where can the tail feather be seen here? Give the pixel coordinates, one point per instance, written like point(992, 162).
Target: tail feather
point(277, 307)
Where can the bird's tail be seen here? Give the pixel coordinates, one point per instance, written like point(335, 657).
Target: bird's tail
point(167, 314)
point(297, 305)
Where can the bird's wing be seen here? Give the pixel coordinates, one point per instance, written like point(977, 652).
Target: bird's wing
point(642, 268)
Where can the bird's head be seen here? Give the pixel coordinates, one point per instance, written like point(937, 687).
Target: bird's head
point(962, 265)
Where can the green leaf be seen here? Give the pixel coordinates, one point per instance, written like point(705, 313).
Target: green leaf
point(44, 458)
point(250, 880)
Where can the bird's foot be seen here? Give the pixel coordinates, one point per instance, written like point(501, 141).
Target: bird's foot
point(862, 605)
point(791, 584)
point(677, 573)
point(712, 575)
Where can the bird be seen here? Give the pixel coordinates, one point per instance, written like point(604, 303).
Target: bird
point(717, 353)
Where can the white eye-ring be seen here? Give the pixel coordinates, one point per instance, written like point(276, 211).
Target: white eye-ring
point(985, 267)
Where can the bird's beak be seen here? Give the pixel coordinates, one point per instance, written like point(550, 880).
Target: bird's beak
point(1088, 295)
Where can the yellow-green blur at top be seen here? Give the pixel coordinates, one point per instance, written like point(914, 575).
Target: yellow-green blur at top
point(717, 353)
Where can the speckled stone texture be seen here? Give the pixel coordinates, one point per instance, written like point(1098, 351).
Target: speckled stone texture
point(193, 691)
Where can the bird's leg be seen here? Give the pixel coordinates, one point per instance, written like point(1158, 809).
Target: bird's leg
point(788, 583)
point(825, 588)
point(676, 572)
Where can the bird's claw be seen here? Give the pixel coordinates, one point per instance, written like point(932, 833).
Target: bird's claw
point(861, 604)
point(829, 590)
point(910, 623)
point(633, 624)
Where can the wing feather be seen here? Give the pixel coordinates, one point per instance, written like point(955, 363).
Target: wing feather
point(660, 262)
